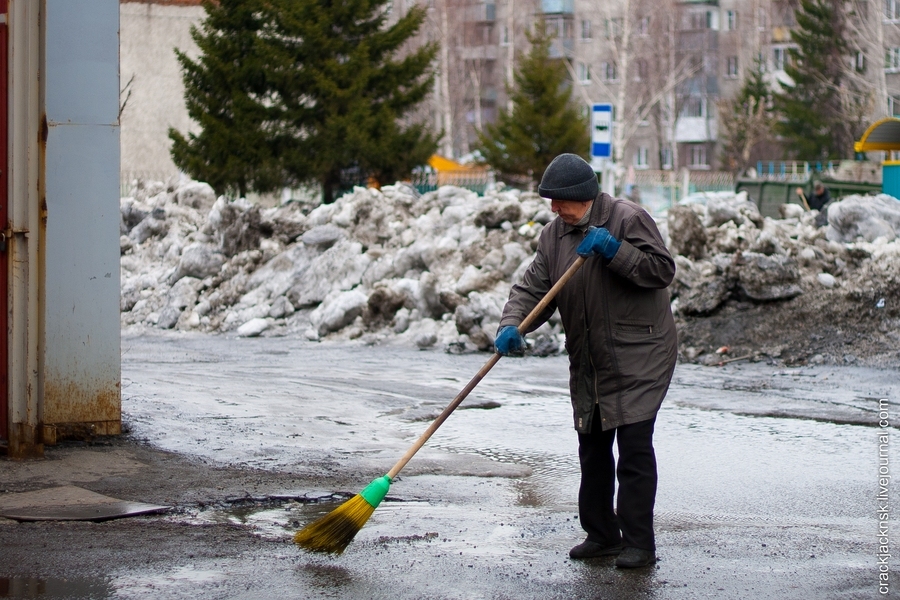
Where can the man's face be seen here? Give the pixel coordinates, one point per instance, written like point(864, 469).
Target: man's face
point(570, 211)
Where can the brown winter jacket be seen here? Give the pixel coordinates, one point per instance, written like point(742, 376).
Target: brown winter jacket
point(620, 334)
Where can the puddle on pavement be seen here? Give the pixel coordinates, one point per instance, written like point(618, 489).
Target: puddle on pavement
point(533, 431)
point(279, 519)
point(170, 583)
point(36, 587)
point(773, 453)
point(275, 520)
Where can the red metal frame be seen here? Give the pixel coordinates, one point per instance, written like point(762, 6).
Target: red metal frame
point(4, 221)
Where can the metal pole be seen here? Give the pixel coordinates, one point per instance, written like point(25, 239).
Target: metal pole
point(24, 233)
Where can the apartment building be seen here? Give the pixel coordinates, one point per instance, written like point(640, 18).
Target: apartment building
point(890, 40)
point(480, 43)
point(665, 65)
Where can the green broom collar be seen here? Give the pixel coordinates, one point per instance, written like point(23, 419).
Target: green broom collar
point(376, 491)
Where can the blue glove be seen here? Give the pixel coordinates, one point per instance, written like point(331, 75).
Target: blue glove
point(509, 342)
point(598, 241)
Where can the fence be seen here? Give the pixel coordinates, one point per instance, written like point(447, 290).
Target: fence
point(475, 180)
point(656, 190)
point(659, 190)
point(794, 170)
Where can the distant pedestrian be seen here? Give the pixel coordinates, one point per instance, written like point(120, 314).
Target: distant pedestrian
point(820, 196)
point(621, 342)
point(818, 200)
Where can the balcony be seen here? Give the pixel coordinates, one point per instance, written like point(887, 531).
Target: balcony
point(562, 48)
point(555, 7)
point(695, 129)
point(481, 13)
point(479, 52)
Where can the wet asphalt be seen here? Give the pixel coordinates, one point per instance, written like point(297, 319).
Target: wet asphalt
point(768, 479)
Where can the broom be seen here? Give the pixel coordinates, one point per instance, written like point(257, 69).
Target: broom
point(803, 199)
point(333, 533)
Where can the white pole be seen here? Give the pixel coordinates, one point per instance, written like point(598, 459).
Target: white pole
point(26, 275)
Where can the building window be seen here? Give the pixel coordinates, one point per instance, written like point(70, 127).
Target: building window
point(609, 71)
point(730, 20)
point(694, 107)
point(640, 158)
point(641, 70)
point(504, 36)
point(762, 62)
point(892, 10)
point(698, 157)
point(860, 61)
point(613, 28)
point(585, 29)
point(665, 158)
point(562, 28)
point(731, 67)
point(703, 20)
point(584, 73)
point(892, 60)
point(893, 106)
point(644, 25)
point(698, 20)
point(779, 58)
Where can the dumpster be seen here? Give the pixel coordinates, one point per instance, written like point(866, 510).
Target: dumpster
point(779, 185)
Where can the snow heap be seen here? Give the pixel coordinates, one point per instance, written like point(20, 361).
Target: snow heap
point(390, 265)
point(386, 265)
point(727, 250)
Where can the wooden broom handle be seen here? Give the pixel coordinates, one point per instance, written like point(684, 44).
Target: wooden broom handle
point(523, 327)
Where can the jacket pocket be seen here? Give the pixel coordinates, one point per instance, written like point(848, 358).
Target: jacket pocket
point(635, 327)
point(641, 355)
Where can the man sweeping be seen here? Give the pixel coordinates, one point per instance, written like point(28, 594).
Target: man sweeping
point(621, 342)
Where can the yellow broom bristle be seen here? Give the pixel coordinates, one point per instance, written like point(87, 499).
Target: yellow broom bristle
point(334, 532)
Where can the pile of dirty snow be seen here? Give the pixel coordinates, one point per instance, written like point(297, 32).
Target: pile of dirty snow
point(434, 270)
point(785, 289)
point(383, 265)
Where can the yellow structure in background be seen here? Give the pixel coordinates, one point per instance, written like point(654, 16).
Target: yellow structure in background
point(884, 135)
point(450, 172)
point(440, 163)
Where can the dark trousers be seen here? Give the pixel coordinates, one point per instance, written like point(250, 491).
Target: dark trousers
point(636, 471)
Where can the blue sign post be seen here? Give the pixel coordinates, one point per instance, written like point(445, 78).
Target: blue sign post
point(601, 132)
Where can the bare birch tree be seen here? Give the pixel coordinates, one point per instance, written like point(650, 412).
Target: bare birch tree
point(865, 26)
point(640, 69)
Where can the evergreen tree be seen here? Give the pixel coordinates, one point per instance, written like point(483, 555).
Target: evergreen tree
point(290, 92)
point(225, 92)
point(747, 123)
point(344, 94)
point(821, 110)
point(544, 121)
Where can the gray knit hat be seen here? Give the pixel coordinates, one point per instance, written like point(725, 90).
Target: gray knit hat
point(569, 177)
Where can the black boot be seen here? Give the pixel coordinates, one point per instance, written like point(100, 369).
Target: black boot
point(589, 549)
point(631, 558)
